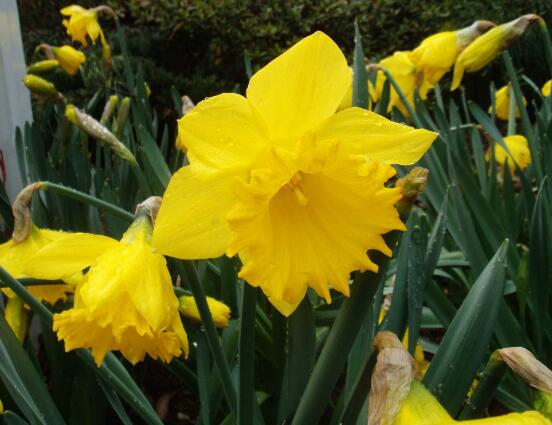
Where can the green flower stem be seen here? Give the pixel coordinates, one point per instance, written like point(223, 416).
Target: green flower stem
point(342, 335)
point(527, 127)
point(188, 272)
point(247, 356)
point(111, 369)
point(489, 379)
point(28, 281)
point(511, 113)
point(126, 58)
point(88, 199)
point(547, 44)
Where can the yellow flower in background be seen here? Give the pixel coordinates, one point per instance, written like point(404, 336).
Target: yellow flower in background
point(436, 54)
point(81, 23)
point(14, 257)
point(519, 152)
point(546, 88)
point(220, 311)
point(422, 408)
point(503, 103)
point(17, 317)
point(488, 46)
point(70, 59)
point(280, 178)
point(126, 302)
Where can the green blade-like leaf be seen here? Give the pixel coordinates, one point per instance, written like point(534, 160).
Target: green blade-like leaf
point(464, 346)
point(360, 81)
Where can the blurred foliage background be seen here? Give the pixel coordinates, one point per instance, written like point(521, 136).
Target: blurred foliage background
point(198, 45)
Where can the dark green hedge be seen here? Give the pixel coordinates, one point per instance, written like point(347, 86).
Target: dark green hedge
point(199, 45)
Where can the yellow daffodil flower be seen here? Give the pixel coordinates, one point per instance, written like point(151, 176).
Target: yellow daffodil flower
point(436, 54)
point(404, 72)
point(81, 23)
point(14, 257)
point(488, 46)
point(280, 178)
point(546, 88)
point(70, 59)
point(503, 103)
point(220, 311)
point(126, 302)
point(519, 152)
point(422, 408)
point(17, 316)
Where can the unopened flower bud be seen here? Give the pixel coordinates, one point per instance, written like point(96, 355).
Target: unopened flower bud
point(21, 212)
point(524, 364)
point(412, 185)
point(40, 86)
point(42, 66)
point(109, 108)
point(122, 117)
point(93, 128)
point(150, 207)
point(220, 311)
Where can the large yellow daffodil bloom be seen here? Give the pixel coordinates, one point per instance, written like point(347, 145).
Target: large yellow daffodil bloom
point(422, 408)
point(81, 23)
point(69, 58)
point(280, 178)
point(502, 103)
point(14, 257)
point(488, 46)
point(436, 54)
point(126, 302)
point(519, 152)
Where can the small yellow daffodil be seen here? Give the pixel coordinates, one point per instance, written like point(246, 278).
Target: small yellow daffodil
point(69, 58)
point(546, 88)
point(280, 178)
point(220, 311)
point(14, 257)
point(502, 98)
point(488, 46)
point(422, 408)
point(81, 23)
point(519, 152)
point(126, 302)
point(436, 54)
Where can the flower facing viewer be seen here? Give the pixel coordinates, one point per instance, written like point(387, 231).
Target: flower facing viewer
point(126, 302)
point(281, 179)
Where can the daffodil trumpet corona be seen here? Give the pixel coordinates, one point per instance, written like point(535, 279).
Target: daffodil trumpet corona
point(517, 154)
point(69, 58)
point(484, 49)
point(126, 302)
point(282, 180)
point(82, 23)
point(502, 103)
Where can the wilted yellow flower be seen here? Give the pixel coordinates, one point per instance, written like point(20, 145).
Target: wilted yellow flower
point(126, 302)
point(279, 178)
point(14, 257)
point(82, 22)
point(488, 46)
point(422, 408)
point(546, 88)
point(519, 152)
point(69, 58)
point(503, 103)
point(436, 54)
point(220, 311)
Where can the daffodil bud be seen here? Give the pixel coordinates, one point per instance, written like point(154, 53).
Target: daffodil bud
point(391, 379)
point(546, 88)
point(93, 128)
point(488, 46)
point(21, 212)
point(109, 108)
point(528, 367)
point(150, 207)
point(220, 311)
point(412, 185)
point(40, 86)
point(106, 54)
point(17, 317)
point(42, 66)
point(122, 117)
point(70, 59)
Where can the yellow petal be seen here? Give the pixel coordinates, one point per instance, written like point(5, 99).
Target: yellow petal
point(301, 87)
point(219, 311)
point(68, 255)
point(191, 222)
point(546, 88)
point(222, 132)
point(72, 9)
point(377, 137)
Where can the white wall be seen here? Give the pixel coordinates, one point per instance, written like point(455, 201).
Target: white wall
point(15, 105)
